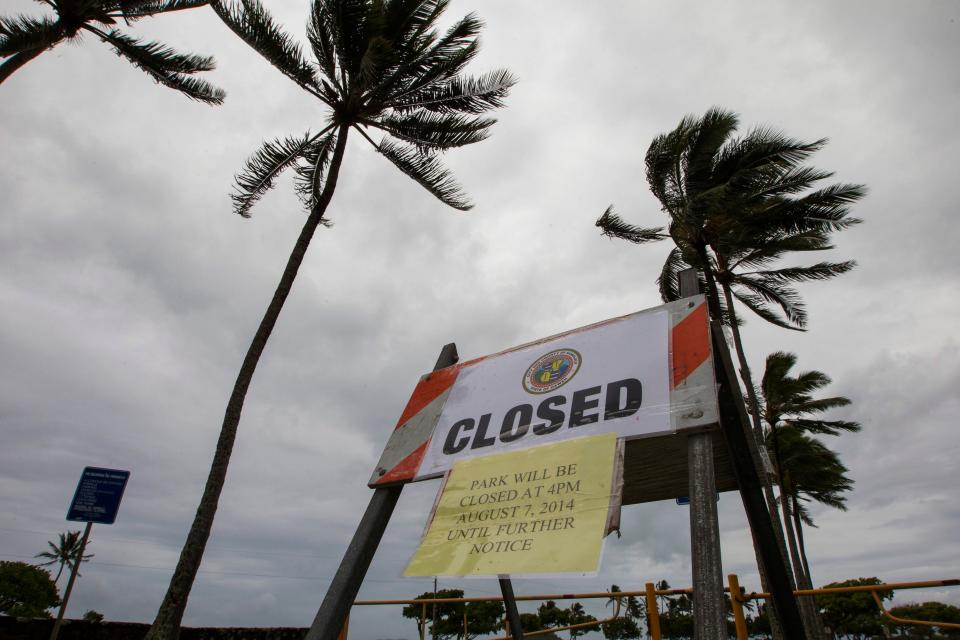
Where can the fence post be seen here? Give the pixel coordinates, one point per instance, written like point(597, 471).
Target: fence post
point(653, 613)
point(736, 602)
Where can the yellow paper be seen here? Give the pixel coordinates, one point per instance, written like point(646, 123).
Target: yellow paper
point(540, 510)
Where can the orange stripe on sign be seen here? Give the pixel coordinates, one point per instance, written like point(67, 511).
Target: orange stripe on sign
point(407, 468)
point(691, 344)
point(427, 390)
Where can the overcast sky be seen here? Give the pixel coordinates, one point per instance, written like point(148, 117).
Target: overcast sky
point(130, 291)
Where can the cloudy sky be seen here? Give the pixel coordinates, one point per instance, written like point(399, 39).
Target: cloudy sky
point(129, 290)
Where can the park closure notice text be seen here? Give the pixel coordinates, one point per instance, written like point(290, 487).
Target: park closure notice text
point(541, 510)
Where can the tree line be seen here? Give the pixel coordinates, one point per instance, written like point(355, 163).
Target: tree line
point(849, 616)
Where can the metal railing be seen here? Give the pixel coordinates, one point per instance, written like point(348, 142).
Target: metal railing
point(738, 597)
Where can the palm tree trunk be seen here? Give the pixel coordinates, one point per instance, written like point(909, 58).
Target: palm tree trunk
point(808, 579)
point(166, 626)
point(16, 61)
point(754, 407)
point(758, 437)
point(803, 550)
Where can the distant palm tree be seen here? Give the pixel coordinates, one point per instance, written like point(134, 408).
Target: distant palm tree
point(805, 467)
point(64, 552)
point(807, 470)
point(380, 65)
point(23, 38)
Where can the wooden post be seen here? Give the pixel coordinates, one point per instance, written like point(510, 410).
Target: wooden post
point(73, 578)
point(510, 606)
point(356, 560)
point(739, 621)
point(653, 612)
point(709, 615)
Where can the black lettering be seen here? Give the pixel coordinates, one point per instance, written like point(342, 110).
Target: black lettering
point(579, 404)
point(509, 433)
point(634, 393)
point(554, 417)
point(481, 439)
point(451, 445)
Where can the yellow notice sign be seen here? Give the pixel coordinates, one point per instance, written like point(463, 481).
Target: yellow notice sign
point(540, 510)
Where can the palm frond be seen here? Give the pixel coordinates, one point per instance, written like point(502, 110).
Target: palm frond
point(311, 169)
point(613, 226)
point(705, 142)
point(825, 209)
point(256, 27)
point(826, 427)
point(25, 33)
point(664, 166)
point(263, 167)
point(770, 250)
point(435, 131)
point(460, 95)
point(759, 306)
point(774, 292)
point(136, 9)
point(321, 42)
point(346, 23)
point(669, 280)
point(165, 65)
point(426, 61)
point(427, 171)
point(819, 271)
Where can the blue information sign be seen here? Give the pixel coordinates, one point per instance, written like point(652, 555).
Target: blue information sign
point(98, 494)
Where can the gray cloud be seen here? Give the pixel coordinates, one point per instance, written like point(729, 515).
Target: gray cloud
point(130, 291)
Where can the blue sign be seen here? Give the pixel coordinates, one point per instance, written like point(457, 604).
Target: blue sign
point(98, 494)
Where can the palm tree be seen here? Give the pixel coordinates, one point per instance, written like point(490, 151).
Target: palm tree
point(804, 465)
point(734, 211)
point(23, 38)
point(736, 206)
point(380, 65)
point(807, 471)
point(64, 552)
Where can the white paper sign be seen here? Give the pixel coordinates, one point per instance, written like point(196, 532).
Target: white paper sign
point(611, 378)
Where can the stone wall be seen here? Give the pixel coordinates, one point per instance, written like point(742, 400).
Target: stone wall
point(21, 629)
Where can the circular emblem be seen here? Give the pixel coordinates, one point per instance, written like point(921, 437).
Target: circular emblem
point(551, 371)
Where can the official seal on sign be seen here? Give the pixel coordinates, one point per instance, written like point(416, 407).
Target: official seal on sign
point(551, 371)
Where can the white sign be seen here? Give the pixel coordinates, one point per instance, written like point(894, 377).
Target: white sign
point(614, 377)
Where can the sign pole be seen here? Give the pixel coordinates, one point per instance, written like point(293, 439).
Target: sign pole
point(356, 560)
point(73, 578)
point(510, 602)
point(709, 609)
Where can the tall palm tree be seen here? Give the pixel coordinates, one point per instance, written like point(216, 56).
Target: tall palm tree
point(23, 38)
point(804, 465)
point(64, 551)
point(380, 66)
point(736, 206)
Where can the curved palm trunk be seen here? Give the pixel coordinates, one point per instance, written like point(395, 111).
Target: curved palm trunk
point(757, 424)
point(16, 61)
point(166, 626)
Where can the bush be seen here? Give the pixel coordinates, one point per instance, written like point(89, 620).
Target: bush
point(26, 591)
